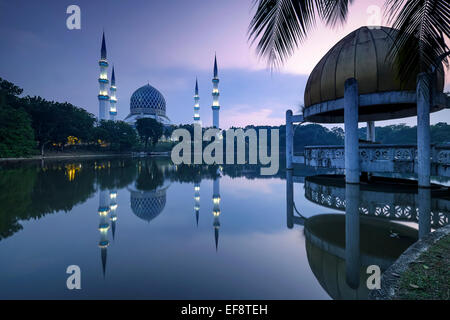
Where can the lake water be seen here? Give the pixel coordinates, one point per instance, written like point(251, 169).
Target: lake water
point(142, 228)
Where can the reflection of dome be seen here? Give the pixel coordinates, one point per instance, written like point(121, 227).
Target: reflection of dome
point(147, 205)
point(325, 248)
point(363, 55)
point(147, 102)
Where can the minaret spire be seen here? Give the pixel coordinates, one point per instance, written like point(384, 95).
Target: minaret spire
point(215, 94)
point(215, 67)
point(103, 97)
point(196, 104)
point(112, 99)
point(103, 50)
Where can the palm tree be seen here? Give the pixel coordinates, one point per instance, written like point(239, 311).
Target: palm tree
point(280, 26)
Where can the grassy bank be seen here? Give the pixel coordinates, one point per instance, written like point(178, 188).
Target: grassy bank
point(429, 277)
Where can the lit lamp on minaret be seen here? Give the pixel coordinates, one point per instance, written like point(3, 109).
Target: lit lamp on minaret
point(103, 226)
point(112, 98)
point(113, 208)
point(197, 200)
point(196, 105)
point(215, 94)
point(103, 98)
point(216, 209)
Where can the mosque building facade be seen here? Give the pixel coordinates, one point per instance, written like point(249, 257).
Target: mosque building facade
point(146, 101)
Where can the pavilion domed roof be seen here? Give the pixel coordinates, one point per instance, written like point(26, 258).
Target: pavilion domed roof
point(363, 55)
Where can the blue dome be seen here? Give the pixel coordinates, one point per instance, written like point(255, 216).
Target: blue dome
point(147, 100)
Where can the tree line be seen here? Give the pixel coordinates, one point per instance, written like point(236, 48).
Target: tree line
point(31, 125)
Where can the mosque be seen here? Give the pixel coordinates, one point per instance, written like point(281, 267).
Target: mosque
point(146, 101)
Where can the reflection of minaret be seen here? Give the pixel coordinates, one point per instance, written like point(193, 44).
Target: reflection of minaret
point(216, 209)
point(215, 94)
point(112, 208)
point(197, 200)
point(103, 226)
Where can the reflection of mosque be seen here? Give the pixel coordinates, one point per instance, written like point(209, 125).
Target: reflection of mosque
point(341, 247)
point(197, 201)
point(148, 192)
point(216, 205)
point(147, 201)
point(147, 205)
point(216, 208)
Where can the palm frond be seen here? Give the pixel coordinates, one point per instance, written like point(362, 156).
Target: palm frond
point(280, 26)
point(334, 12)
point(423, 27)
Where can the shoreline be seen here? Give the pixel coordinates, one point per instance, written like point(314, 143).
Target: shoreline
point(66, 156)
point(85, 156)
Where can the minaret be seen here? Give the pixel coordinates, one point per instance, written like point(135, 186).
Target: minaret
point(112, 98)
point(103, 226)
point(216, 209)
point(196, 105)
point(103, 97)
point(215, 94)
point(113, 208)
point(196, 200)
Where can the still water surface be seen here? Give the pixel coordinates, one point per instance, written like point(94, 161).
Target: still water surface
point(149, 229)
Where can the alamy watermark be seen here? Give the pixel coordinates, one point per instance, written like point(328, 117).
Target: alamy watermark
point(374, 280)
point(74, 280)
point(213, 153)
point(74, 20)
point(374, 18)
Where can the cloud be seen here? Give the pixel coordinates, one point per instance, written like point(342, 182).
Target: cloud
point(241, 115)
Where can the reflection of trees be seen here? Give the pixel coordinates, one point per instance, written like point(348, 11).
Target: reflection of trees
point(16, 186)
point(150, 176)
point(192, 173)
point(115, 174)
point(32, 191)
point(53, 191)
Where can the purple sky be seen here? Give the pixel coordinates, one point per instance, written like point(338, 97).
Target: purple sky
point(166, 43)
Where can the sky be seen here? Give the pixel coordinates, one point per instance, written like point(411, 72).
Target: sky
point(166, 44)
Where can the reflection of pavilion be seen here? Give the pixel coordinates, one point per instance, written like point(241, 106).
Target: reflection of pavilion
point(341, 247)
point(339, 262)
point(385, 201)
